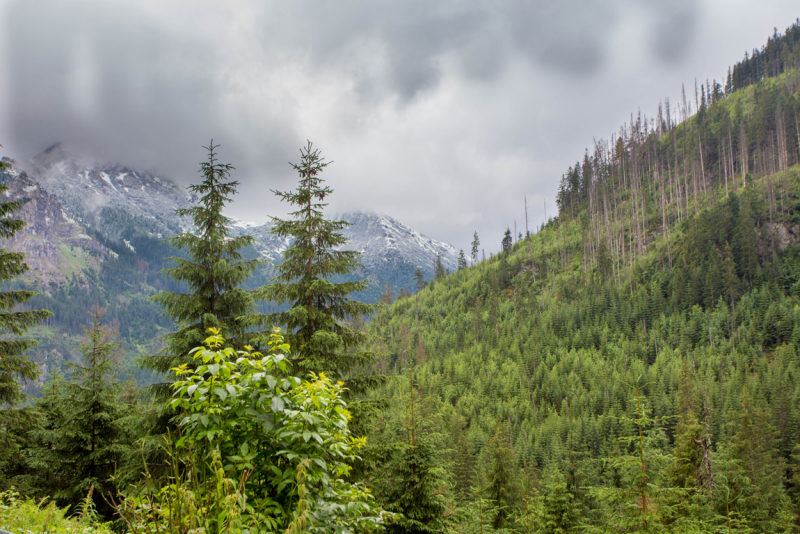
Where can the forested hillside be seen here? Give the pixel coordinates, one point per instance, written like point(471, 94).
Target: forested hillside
point(633, 365)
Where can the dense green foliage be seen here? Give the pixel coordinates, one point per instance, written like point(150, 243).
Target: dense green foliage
point(15, 366)
point(81, 439)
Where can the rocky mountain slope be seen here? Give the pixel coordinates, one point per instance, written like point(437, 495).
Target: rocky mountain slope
point(56, 246)
point(95, 193)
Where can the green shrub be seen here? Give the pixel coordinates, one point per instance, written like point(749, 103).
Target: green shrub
point(261, 452)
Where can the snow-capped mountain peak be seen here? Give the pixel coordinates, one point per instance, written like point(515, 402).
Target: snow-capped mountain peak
point(118, 202)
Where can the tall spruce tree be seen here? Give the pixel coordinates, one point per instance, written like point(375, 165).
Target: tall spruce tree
point(502, 486)
point(462, 260)
point(14, 365)
point(83, 449)
point(315, 324)
point(438, 269)
point(42, 446)
point(753, 450)
point(507, 242)
point(214, 271)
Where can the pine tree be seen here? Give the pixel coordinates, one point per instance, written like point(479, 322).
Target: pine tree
point(214, 271)
point(635, 501)
point(462, 260)
point(476, 243)
point(315, 323)
point(419, 280)
point(502, 486)
point(753, 451)
point(745, 245)
point(14, 365)
point(507, 241)
point(730, 281)
point(604, 260)
point(438, 270)
point(42, 450)
point(559, 510)
point(687, 454)
point(387, 297)
point(416, 489)
point(85, 448)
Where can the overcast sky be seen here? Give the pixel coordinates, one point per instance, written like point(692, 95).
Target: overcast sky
point(443, 114)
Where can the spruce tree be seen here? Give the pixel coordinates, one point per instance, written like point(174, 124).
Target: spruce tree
point(559, 510)
point(687, 454)
point(214, 271)
point(745, 242)
point(476, 242)
point(315, 324)
point(761, 470)
point(14, 365)
point(85, 448)
point(419, 280)
point(387, 297)
point(502, 487)
point(415, 488)
point(507, 241)
point(462, 260)
point(43, 447)
point(438, 270)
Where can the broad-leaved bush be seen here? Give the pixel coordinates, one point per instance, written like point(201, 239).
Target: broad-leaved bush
point(260, 451)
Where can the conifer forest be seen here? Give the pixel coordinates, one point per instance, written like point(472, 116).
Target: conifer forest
point(632, 364)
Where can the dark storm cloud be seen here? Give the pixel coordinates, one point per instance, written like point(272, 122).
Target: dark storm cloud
point(483, 36)
point(111, 79)
point(119, 80)
point(675, 28)
point(568, 35)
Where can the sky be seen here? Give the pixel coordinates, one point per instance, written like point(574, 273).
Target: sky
point(444, 114)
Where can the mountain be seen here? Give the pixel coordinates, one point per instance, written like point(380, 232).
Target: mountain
point(387, 244)
point(97, 193)
point(56, 246)
point(119, 205)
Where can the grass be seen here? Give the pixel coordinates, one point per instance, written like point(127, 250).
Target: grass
point(25, 516)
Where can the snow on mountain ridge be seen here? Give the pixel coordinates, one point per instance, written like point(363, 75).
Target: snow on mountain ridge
point(382, 238)
point(85, 187)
